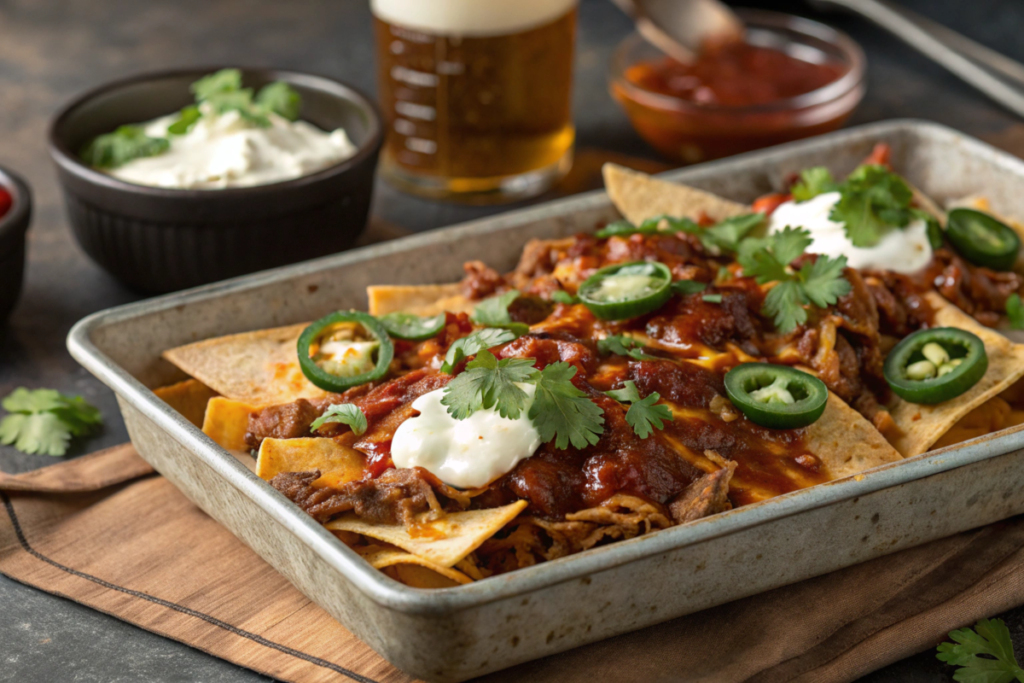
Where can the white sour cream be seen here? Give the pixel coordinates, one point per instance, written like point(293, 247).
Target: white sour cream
point(227, 151)
point(902, 250)
point(464, 453)
point(471, 17)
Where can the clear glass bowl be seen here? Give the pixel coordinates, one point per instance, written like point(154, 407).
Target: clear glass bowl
point(689, 132)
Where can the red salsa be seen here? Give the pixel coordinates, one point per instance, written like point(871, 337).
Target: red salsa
point(6, 201)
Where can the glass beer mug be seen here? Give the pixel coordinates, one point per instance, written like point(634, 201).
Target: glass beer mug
point(477, 95)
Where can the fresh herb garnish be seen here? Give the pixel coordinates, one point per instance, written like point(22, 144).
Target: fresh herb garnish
point(344, 413)
point(722, 236)
point(562, 412)
point(280, 98)
point(123, 145)
point(490, 383)
point(814, 181)
point(685, 287)
point(186, 119)
point(712, 298)
point(643, 415)
point(984, 654)
point(1015, 311)
point(473, 344)
point(494, 312)
point(622, 345)
point(563, 297)
point(223, 92)
point(43, 421)
point(820, 283)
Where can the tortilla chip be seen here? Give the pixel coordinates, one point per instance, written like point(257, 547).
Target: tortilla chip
point(638, 196)
point(337, 463)
point(444, 541)
point(188, 398)
point(259, 368)
point(845, 442)
point(226, 422)
point(412, 570)
point(418, 299)
point(921, 426)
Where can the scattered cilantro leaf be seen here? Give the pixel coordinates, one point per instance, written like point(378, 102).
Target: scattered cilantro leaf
point(43, 421)
point(726, 235)
point(473, 344)
point(873, 200)
point(820, 283)
point(187, 118)
point(562, 412)
point(984, 654)
point(1015, 312)
point(620, 227)
point(643, 415)
point(494, 312)
point(344, 413)
point(685, 287)
point(123, 145)
point(563, 297)
point(280, 98)
point(622, 345)
point(490, 383)
point(240, 101)
point(814, 181)
point(712, 298)
point(225, 80)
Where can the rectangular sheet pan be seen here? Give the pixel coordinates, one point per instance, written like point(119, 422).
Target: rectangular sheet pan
point(458, 633)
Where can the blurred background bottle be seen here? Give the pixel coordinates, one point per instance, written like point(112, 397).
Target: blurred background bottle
point(477, 95)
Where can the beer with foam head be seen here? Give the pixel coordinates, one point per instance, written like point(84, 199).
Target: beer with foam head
point(477, 95)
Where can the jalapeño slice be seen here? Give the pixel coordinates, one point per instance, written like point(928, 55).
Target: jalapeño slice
point(627, 290)
point(358, 337)
point(776, 396)
point(413, 327)
point(932, 366)
point(982, 240)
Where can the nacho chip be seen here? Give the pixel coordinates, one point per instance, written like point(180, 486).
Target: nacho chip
point(259, 368)
point(845, 442)
point(226, 422)
point(412, 570)
point(921, 426)
point(444, 541)
point(188, 398)
point(418, 299)
point(638, 196)
point(337, 463)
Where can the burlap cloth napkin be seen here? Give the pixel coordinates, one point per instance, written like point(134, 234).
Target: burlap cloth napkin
point(105, 531)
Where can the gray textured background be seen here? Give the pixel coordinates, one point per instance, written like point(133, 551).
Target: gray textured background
point(50, 50)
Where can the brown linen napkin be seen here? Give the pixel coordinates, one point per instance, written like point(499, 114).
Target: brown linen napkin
point(103, 532)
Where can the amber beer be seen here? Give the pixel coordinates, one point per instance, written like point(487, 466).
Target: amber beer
point(477, 95)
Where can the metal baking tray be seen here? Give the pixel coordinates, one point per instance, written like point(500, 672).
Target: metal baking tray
point(457, 633)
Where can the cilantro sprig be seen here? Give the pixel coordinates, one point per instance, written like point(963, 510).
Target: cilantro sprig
point(474, 343)
point(563, 413)
point(622, 345)
point(343, 413)
point(1015, 311)
point(125, 144)
point(984, 654)
point(721, 237)
point(643, 415)
point(43, 421)
point(820, 283)
point(493, 312)
point(490, 383)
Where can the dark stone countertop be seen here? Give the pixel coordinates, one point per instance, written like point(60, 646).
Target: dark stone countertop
point(50, 50)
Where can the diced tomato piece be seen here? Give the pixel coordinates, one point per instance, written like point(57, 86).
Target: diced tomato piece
point(5, 201)
point(880, 155)
point(768, 203)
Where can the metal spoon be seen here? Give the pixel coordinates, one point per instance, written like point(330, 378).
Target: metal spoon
point(681, 28)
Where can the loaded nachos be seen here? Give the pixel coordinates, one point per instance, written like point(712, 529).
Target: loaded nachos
point(696, 356)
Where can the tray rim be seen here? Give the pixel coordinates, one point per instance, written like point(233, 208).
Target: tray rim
point(389, 593)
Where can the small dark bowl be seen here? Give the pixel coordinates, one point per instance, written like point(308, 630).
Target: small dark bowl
point(160, 240)
point(13, 226)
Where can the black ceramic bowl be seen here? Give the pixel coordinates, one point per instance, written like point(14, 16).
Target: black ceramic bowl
point(160, 240)
point(13, 226)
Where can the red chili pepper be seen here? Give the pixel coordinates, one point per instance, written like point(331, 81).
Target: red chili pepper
point(6, 201)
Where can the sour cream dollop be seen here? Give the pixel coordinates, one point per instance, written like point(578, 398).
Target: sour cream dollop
point(464, 453)
point(901, 250)
point(225, 150)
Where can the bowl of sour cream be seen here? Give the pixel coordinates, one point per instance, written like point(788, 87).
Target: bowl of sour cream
point(181, 178)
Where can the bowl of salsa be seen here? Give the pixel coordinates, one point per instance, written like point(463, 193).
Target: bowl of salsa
point(791, 78)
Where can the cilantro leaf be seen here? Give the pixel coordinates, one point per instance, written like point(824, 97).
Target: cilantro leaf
point(187, 118)
point(813, 181)
point(622, 345)
point(784, 304)
point(562, 412)
point(712, 298)
point(494, 312)
point(822, 282)
point(240, 101)
point(726, 235)
point(473, 344)
point(490, 383)
point(280, 98)
point(643, 415)
point(1015, 312)
point(620, 227)
point(563, 297)
point(345, 413)
point(685, 287)
point(873, 200)
point(43, 421)
point(985, 654)
point(123, 145)
point(225, 80)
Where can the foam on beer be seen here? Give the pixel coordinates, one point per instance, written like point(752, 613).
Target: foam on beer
point(471, 17)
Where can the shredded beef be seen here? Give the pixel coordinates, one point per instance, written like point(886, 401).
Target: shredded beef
point(978, 291)
point(393, 498)
point(708, 495)
point(481, 280)
point(286, 421)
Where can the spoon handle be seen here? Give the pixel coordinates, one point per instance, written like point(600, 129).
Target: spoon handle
point(946, 47)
